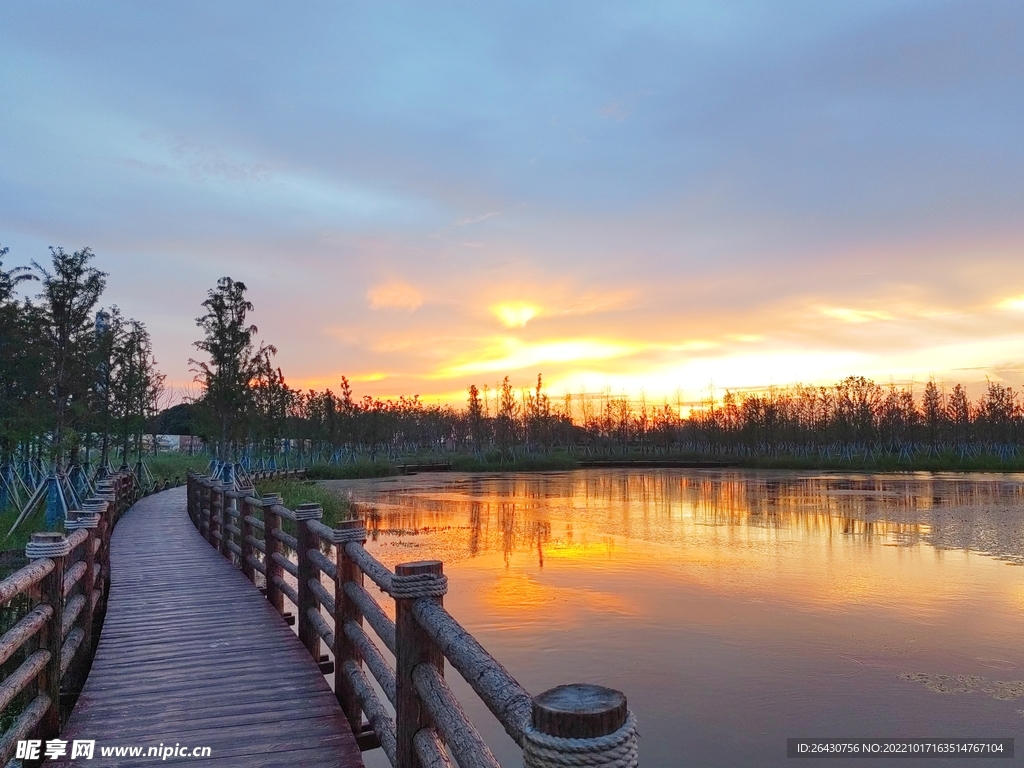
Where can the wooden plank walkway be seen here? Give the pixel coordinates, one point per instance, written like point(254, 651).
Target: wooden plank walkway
point(190, 653)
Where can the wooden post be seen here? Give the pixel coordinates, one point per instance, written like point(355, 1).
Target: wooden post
point(99, 507)
point(226, 503)
point(220, 503)
point(307, 540)
point(248, 550)
point(344, 611)
point(51, 592)
point(88, 612)
point(190, 498)
point(214, 516)
point(89, 522)
point(413, 646)
point(106, 526)
point(271, 523)
point(205, 516)
point(581, 711)
point(197, 499)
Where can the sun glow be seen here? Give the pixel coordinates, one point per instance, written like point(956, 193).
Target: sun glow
point(515, 314)
point(1016, 303)
point(508, 354)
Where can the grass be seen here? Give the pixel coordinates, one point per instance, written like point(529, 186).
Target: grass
point(941, 463)
point(351, 471)
point(559, 460)
point(18, 539)
point(494, 462)
point(171, 465)
point(295, 492)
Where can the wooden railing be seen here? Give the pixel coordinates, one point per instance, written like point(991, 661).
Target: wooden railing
point(65, 587)
point(571, 725)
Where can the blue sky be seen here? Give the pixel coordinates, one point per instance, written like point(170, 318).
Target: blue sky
point(636, 196)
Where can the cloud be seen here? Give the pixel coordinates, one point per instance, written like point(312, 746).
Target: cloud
point(615, 111)
point(395, 295)
point(474, 219)
point(855, 315)
point(788, 171)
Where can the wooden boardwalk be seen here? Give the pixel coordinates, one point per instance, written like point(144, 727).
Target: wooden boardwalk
point(191, 654)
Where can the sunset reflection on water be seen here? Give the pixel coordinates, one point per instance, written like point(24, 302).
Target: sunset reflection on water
point(742, 607)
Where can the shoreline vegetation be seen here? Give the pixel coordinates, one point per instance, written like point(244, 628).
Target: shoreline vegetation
point(836, 461)
point(245, 411)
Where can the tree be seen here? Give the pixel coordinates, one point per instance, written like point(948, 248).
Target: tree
point(135, 383)
point(998, 411)
point(475, 417)
point(505, 423)
point(273, 401)
point(177, 420)
point(19, 368)
point(235, 363)
point(959, 409)
point(933, 408)
point(69, 295)
point(857, 403)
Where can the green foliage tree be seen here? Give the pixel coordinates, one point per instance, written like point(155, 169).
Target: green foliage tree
point(135, 384)
point(933, 412)
point(69, 295)
point(19, 369)
point(273, 402)
point(235, 365)
point(508, 411)
point(475, 417)
point(960, 413)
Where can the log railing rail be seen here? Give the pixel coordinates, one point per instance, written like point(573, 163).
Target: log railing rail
point(65, 584)
point(573, 725)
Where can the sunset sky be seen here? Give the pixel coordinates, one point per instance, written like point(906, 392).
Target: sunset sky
point(635, 196)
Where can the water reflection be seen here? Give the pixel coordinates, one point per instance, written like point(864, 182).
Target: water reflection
point(734, 607)
point(515, 514)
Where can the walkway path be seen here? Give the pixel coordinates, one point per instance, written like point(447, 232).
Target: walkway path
point(191, 654)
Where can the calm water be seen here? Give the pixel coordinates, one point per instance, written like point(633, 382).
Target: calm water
point(735, 609)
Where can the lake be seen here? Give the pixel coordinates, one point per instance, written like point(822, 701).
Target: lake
point(734, 608)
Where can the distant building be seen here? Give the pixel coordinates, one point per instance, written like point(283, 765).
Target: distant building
point(173, 444)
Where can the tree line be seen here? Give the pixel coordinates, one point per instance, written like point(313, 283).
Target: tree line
point(246, 406)
point(75, 377)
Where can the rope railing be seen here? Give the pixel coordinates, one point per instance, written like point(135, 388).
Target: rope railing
point(65, 585)
point(576, 725)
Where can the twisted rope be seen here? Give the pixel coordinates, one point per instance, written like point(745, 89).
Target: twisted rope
point(85, 520)
point(36, 550)
point(310, 512)
point(616, 750)
point(345, 535)
point(418, 585)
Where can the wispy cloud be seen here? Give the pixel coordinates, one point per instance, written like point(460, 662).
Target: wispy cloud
point(475, 219)
point(395, 295)
point(856, 315)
